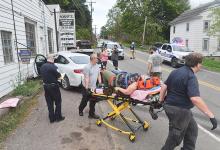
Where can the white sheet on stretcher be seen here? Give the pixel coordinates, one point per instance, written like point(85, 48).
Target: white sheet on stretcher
point(142, 94)
point(138, 94)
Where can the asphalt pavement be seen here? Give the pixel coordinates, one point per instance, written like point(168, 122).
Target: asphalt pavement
point(81, 133)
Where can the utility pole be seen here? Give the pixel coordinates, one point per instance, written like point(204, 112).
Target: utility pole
point(91, 2)
point(145, 22)
point(55, 20)
point(95, 33)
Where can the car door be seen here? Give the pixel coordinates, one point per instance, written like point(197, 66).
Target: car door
point(163, 51)
point(38, 62)
point(62, 63)
point(169, 53)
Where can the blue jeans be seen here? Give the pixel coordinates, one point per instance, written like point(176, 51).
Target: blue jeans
point(182, 127)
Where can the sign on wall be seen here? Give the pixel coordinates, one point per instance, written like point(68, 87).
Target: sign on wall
point(25, 56)
point(67, 29)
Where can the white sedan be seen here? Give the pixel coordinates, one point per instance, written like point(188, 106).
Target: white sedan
point(72, 65)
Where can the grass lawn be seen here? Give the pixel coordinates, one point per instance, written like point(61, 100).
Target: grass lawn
point(211, 64)
point(10, 121)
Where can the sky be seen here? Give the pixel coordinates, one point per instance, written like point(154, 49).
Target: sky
point(101, 8)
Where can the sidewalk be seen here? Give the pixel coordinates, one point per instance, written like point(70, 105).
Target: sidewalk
point(74, 133)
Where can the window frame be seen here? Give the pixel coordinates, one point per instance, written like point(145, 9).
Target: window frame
point(31, 37)
point(50, 40)
point(7, 56)
point(187, 26)
point(206, 29)
point(203, 44)
point(174, 29)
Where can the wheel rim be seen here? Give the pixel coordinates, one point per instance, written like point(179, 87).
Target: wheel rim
point(174, 63)
point(64, 83)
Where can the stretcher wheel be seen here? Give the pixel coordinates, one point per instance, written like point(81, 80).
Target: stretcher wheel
point(146, 125)
point(154, 116)
point(132, 137)
point(98, 123)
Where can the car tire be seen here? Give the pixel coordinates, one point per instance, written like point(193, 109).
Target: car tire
point(174, 62)
point(65, 83)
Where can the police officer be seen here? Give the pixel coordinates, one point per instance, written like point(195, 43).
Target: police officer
point(91, 74)
point(182, 94)
point(114, 57)
point(50, 76)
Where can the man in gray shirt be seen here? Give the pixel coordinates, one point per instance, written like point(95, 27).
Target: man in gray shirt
point(154, 63)
point(91, 74)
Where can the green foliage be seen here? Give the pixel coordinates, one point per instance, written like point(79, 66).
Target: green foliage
point(10, 121)
point(211, 64)
point(27, 89)
point(82, 14)
point(215, 26)
point(128, 17)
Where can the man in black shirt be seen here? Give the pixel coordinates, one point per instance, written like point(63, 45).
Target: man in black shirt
point(50, 75)
point(180, 93)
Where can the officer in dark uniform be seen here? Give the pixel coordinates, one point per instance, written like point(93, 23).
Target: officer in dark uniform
point(182, 94)
point(50, 75)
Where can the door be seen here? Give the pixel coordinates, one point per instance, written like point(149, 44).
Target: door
point(169, 53)
point(163, 51)
point(38, 62)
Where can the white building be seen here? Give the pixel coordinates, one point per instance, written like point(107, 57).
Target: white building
point(192, 27)
point(35, 30)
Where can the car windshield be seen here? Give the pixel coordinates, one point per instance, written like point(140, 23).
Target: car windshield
point(181, 48)
point(80, 59)
point(111, 46)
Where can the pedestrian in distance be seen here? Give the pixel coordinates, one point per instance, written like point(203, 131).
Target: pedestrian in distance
point(182, 93)
point(132, 50)
point(91, 74)
point(104, 57)
point(154, 63)
point(50, 75)
point(114, 57)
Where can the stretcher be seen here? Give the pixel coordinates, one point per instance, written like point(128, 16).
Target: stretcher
point(120, 102)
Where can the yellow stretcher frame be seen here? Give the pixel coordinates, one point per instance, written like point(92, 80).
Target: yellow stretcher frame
point(117, 109)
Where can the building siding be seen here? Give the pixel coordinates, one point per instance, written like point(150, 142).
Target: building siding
point(196, 34)
point(34, 11)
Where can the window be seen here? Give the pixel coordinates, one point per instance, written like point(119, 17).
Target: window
point(164, 47)
point(30, 37)
point(187, 26)
point(206, 25)
point(218, 48)
point(80, 59)
point(205, 45)
point(61, 60)
point(169, 48)
point(187, 43)
point(174, 29)
point(7, 46)
point(50, 45)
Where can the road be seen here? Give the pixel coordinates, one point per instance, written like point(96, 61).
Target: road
point(81, 133)
point(156, 136)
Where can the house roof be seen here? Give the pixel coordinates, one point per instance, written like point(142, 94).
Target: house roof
point(193, 13)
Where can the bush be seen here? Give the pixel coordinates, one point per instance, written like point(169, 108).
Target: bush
point(27, 89)
point(211, 64)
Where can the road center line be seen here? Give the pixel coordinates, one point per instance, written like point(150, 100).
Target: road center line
point(203, 83)
point(217, 88)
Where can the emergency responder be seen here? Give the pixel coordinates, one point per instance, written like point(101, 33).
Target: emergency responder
point(154, 63)
point(50, 75)
point(91, 74)
point(182, 94)
point(114, 57)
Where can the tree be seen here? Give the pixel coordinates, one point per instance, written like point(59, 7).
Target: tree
point(215, 26)
point(82, 15)
point(131, 15)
